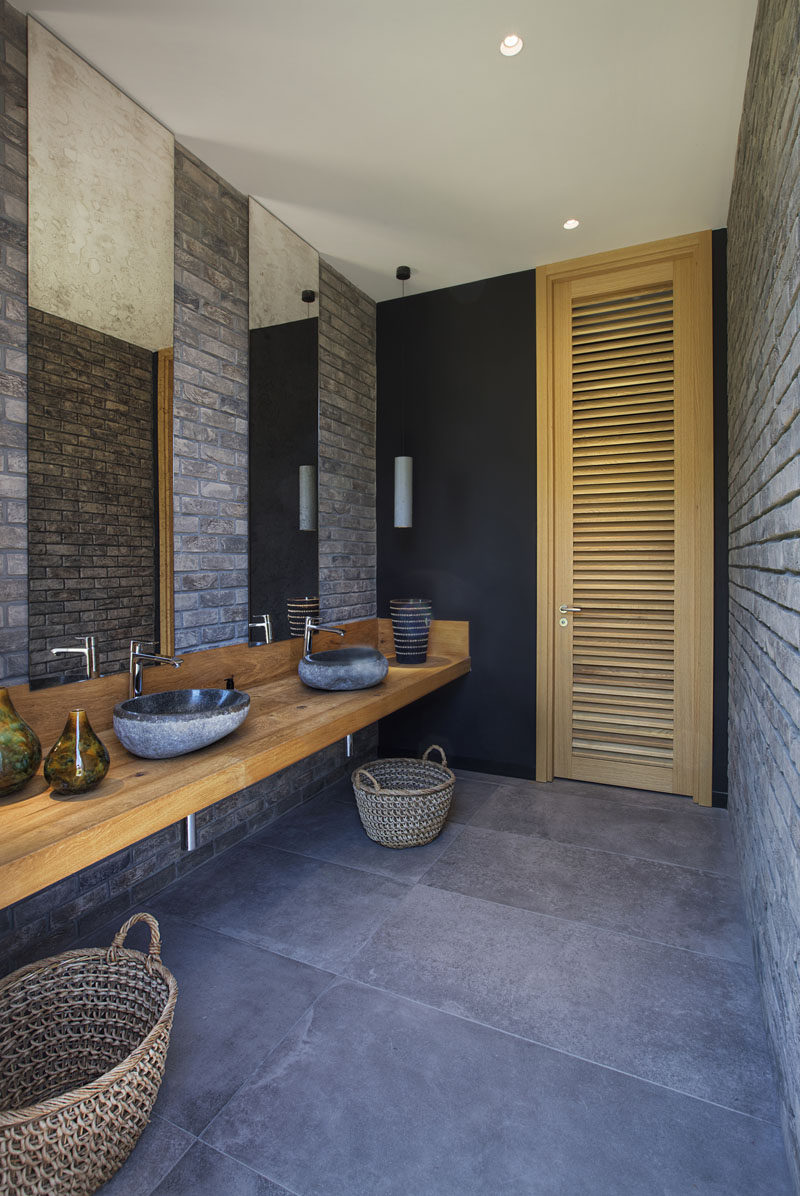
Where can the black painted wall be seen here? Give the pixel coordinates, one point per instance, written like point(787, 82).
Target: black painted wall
point(283, 436)
point(463, 361)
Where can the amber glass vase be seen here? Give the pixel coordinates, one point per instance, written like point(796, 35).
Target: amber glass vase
point(20, 750)
point(78, 760)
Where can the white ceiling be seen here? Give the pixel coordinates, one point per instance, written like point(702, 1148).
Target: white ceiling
point(393, 131)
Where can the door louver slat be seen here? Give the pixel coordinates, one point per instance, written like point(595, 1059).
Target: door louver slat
point(623, 558)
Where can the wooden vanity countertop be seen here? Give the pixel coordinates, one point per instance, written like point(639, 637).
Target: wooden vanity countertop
point(45, 837)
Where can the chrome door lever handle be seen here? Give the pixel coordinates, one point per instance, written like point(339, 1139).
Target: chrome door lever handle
point(564, 609)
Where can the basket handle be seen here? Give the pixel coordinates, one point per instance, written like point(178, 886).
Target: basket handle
point(364, 772)
point(153, 951)
point(434, 748)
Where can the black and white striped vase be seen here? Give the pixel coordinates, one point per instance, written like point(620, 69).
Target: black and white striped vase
point(300, 609)
point(411, 620)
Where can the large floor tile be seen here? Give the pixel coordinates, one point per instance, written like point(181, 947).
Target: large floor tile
point(327, 829)
point(469, 796)
point(313, 911)
point(690, 1022)
point(377, 1096)
point(684, 834)
point(154, 1155)
point(700, 911)
point(341, 790)
point(235, 1002)
point(628, 797)
point(205, 1172)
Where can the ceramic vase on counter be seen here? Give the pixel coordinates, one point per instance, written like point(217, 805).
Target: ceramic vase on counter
point(411, 620)
point(78, 760)
point(20, 750)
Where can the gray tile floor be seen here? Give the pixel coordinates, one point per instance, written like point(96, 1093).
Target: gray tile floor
point(555, 997)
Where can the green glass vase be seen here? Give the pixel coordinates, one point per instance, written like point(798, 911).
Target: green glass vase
point(78, 760)
point(20, 750)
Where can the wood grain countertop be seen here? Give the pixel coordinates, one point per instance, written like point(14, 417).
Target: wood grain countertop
point(45, 837)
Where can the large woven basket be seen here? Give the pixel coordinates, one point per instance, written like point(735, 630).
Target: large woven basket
point(83, 1042)
point(404, 802)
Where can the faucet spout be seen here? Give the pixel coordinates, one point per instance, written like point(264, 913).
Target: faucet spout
point(311, 628)
point(135, 671)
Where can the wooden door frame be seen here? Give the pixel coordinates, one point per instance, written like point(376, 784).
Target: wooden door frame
point(697, 246)
point(164, 486)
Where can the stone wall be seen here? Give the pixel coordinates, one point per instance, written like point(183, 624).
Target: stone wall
point(764, 429)
point(13, 340)
point(91, 489)
point(347, 393)
point(210, 424)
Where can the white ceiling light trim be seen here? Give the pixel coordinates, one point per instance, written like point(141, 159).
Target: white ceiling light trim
point(511, 44)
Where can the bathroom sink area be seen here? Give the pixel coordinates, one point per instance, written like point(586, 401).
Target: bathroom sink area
point(359, 667)
point(160, 725)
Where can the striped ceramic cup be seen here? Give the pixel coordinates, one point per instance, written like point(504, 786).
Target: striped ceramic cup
point(411, 619)
point(298, 610)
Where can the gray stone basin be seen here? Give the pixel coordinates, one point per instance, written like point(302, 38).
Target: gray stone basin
point(157, 726)
point(358, 667)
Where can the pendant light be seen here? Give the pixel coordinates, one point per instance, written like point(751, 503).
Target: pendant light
point(307, 474)
point(403, 465)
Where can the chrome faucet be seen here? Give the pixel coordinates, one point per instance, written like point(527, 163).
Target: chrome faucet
point(311, 628)
point(263, 623)
point(135, 671)
point(88, 651)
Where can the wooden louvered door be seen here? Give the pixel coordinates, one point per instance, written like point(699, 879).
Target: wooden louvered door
point(629, 489)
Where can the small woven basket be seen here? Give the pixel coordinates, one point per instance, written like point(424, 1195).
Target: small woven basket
point(83, 1039)
point(402, 802)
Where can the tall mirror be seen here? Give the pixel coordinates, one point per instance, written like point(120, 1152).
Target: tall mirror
point(100, 334)
point(284, 289)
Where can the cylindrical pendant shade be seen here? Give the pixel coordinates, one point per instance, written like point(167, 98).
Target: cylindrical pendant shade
point(308, 498)
point(403, 469)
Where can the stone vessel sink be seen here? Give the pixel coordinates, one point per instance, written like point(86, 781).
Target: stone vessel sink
point(358, 667)
point(170, 724)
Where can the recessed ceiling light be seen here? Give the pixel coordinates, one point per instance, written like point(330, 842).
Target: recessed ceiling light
point(511, 44)
point(571, 223)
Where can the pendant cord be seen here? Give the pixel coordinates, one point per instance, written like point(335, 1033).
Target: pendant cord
point(404, 381)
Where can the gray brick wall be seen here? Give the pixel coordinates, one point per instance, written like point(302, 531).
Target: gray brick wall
point(210, 424)
point(91, 490)
point(764, 504)
point(210, 477)
point(52, 920)
point(347, 389)
point(13, 339)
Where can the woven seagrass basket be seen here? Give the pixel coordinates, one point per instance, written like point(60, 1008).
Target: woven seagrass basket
point(404, 802)
point(83, 1039)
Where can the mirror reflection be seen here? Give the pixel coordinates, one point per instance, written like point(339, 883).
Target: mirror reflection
point(284, 285)
point(100, 330)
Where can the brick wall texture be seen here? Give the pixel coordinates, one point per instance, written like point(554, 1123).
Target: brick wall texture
point(92, 567)
point(210, 407)
point(210, 480)
point(347, 390)
point(13, 340)
point(764, 504)
point(53, 919)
